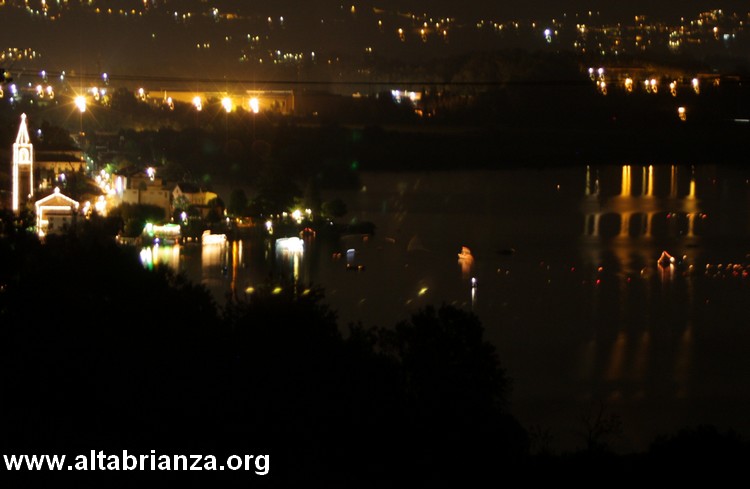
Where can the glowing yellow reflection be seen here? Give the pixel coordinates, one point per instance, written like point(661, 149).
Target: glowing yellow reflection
point(617, 358)
point(625, 191)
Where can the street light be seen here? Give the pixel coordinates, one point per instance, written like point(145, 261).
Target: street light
point(80, 102)
point(198, 104)
point(254, 105)
point(226, 102)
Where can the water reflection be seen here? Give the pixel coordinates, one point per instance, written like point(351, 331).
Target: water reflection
point(289, 252)
point(156, 255)
point(572, 294)
point(214, 263)
point(634, 208)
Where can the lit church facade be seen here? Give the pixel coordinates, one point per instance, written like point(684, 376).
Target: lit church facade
point(55, 212)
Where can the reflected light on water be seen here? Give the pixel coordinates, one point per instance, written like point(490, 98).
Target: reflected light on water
point(290, 251)
point(626, 185)
point(213, 263)
point(156, 255)
point(236, 260)
point(466, 261)
point(625, 224)
point(691, 195)
point(617, 358)
point(600, 316)
point(650, 181)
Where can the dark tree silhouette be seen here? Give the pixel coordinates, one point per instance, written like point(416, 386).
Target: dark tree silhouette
point(237, 202)
point(456, 396)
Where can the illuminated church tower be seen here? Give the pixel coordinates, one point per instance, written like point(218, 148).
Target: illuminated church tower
point(23, 166)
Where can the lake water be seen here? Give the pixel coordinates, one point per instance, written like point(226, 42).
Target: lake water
point(564, 276)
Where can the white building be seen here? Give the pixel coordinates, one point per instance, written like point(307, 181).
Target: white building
point(55, 213)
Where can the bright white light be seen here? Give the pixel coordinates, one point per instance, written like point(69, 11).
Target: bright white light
point(209, 239)
point(226, 102)
point(80, 102)
point(100, 205)
point(291, 245)
point(197, 103)
point(254, 105)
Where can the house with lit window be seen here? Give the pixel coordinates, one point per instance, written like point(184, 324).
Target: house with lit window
point(194, 196)
point(143, 187)
point(53, 166)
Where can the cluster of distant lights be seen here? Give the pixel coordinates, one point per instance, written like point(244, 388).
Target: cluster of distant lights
point(18, 54)
point(440, 25)
point(45, 90)
point(428, 25)
point(298, 215)
point(421, 27)
point(400, 96)
point(650, 85)
point(226, 103)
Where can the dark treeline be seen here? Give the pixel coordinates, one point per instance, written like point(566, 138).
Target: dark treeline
point(98, 353)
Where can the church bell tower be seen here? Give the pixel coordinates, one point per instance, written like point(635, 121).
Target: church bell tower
point(23, 167)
